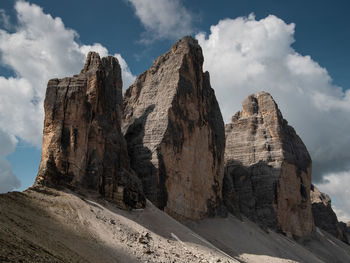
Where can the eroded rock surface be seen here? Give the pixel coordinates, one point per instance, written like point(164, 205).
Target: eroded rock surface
point(267, 168)
point(175, 133)
point(324, 216)
point(83, 146)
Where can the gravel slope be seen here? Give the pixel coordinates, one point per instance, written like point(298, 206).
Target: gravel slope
point(46, 225)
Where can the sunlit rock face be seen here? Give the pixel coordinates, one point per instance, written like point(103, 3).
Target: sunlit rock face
point(83, 147)
point(267, 168)
point(175, 133)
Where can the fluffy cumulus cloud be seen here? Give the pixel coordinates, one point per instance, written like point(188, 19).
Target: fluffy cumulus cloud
point(40, 48)
point(337, 186)
point(163, 19)
point(8, 181)
point(245, 56)
point(127, 76)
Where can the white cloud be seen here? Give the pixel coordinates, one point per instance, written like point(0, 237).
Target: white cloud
point(8, 181)
point(245, 56)
point(97, 47)
point(40, 48)
point(337, 186)
point(19, 116)
point(128, 77)
point(4, 19)
point(341, 214)
point(163, 19)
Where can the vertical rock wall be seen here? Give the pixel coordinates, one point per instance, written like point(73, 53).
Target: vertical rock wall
point(83, 146)
point(175, 133)
point(267, 168)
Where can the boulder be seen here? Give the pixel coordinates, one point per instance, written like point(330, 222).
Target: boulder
point(175, 133)
point(267, 168)
point(83, 147)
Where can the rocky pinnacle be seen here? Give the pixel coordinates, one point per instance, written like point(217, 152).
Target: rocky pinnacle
point(175, 133)
point(83, 147)
point(267, 168)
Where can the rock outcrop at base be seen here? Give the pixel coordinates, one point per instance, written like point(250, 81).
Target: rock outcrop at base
point(267, 168)
point(345, 228)
point(324, 216)
point(175, 133)
point(83, 146)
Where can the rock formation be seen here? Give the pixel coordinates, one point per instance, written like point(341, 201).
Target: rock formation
point(267, 168)
point(175, 133)
point(345, 228)
point(83, 146)
point(324, 216)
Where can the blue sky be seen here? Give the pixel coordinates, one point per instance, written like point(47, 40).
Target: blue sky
point(296, 50)
point(321, 27)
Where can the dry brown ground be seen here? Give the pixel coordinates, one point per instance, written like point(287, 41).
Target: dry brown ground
point(48, 225)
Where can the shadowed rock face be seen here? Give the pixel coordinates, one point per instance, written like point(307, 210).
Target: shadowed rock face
point(83, 146)
point(267, 168)
point(324, 216)
point(345, 228)
point(175, 133)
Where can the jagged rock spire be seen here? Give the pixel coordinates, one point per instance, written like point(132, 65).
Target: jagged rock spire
point(83, 147)
point(267, 168)
point(175, 133)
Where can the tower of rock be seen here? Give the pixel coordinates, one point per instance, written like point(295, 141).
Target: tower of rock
point(267, 168)
point(175, 133)
point(83, 147)
point(325, 217)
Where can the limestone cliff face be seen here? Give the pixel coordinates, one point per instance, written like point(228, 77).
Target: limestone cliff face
point(175, 133)
point(267, 168)
point(83, 146)
point(324, 216)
